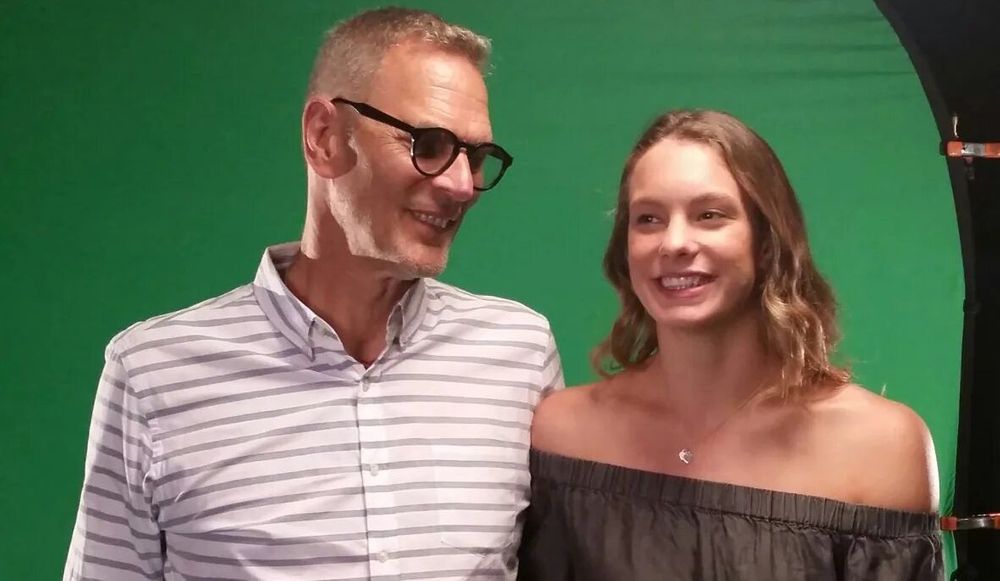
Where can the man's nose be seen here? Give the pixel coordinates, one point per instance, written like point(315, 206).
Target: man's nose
point(457, 180)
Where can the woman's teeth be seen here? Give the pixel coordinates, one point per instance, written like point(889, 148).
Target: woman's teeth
point(682, 282)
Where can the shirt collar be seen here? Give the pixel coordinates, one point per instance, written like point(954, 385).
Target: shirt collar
point(413, 311)
point(295, 320)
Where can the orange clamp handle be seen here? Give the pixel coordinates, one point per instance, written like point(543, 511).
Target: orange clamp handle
point(979, 521)
point(967, 149)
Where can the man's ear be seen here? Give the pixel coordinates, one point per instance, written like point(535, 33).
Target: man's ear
point(324, 139)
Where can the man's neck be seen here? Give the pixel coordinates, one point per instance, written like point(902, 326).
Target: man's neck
point(355, 296)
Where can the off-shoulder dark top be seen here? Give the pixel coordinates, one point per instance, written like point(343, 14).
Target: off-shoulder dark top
point(596, 522)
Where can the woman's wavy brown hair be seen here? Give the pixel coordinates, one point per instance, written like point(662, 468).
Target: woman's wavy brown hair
point(799, 325)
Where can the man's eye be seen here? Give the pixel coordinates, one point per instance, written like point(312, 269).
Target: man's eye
point(433, 143)
point(476, 159)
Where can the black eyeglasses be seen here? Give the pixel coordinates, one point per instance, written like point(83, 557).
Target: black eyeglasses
point(434, 149)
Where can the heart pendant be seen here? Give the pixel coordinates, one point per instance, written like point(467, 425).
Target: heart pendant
point(686, 456)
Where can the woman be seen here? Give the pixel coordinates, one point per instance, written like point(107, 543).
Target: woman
point(722, 442)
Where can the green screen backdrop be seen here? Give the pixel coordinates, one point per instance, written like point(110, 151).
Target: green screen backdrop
point(150, 151)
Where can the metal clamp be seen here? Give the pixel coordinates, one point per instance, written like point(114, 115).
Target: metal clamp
point(955, 147)
point(974, 522)
point(966, 149)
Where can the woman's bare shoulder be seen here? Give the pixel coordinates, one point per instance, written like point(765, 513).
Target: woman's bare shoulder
point(564, 420)
point(885, 443)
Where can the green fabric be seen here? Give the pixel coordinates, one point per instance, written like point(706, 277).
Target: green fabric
point(151, 150)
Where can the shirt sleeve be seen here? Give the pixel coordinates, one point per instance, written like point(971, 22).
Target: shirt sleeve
point(552, 372)
point(116, 534)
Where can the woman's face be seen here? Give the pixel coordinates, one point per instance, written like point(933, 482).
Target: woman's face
point(690, 243)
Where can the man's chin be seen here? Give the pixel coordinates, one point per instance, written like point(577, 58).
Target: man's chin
point(410, 267)
point(423, 269)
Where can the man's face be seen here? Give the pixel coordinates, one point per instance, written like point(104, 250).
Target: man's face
point(387, 209)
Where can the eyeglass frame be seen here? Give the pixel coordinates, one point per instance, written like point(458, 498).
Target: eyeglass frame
point(375, 114)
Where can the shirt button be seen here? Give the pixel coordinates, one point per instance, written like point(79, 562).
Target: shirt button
point(373, 469)
point(364, 385)
point(382, 556)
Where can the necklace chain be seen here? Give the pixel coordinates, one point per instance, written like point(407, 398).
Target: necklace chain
point(686, 454)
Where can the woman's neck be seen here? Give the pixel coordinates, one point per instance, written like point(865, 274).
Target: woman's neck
point(703, 373)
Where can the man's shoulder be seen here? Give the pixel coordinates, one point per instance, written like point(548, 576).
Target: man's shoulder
point(217, 317)
point(446, 297)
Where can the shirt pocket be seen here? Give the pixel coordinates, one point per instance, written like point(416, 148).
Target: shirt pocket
point(482, 491)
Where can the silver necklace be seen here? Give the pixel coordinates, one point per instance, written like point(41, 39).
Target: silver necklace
point(686, 454)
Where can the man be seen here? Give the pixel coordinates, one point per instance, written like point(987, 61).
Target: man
point(344, 416)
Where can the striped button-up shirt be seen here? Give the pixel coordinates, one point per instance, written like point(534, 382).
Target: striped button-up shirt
point(237, 439)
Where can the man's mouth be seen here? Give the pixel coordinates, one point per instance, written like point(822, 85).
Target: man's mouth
point(439, 222)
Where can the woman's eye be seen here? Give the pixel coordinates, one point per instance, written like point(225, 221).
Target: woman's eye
point(645, 219)
point(710, 215)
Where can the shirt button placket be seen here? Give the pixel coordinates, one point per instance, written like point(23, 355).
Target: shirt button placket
point(374, 476)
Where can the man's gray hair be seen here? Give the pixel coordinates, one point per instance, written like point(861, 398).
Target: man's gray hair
point(353, 49)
